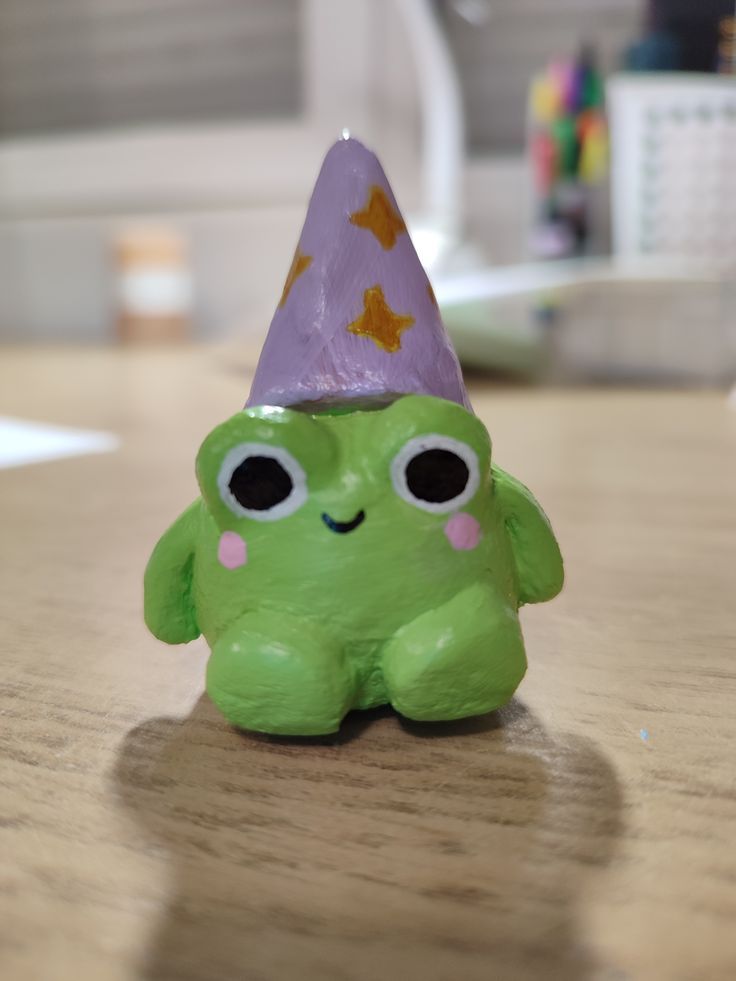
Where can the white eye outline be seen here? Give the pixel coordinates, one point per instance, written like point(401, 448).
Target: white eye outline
point(237, 455)
point(435, 441)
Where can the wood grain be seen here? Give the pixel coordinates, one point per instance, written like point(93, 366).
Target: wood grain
point(144, 838)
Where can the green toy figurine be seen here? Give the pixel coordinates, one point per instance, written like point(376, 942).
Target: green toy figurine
point(353, 544)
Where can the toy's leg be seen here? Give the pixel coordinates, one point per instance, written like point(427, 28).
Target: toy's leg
point(465, 658)
point(273, 673)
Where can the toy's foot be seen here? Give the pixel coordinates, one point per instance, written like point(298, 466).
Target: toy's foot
point(465, 658)
point(276, 674)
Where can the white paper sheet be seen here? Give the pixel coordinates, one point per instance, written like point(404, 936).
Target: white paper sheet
point(23, 442)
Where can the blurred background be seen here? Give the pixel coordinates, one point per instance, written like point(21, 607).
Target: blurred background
point(567, 170)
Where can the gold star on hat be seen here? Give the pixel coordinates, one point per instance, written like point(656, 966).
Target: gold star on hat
point(380, 217)
point(379, 322)
point(299, 263)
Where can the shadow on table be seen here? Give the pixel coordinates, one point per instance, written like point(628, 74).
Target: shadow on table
point(394, 850)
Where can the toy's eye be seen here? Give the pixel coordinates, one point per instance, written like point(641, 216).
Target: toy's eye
point(262, 482)
point(436, 473)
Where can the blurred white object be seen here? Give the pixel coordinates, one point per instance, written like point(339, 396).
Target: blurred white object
point(23, 442)
point(437, 230)
point(443, 124)
point(673, 140)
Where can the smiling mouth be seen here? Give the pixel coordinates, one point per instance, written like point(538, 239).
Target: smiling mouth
point(343, 527)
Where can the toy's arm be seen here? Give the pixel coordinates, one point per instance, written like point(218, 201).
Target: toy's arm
point(168, 608)
point(536, 553)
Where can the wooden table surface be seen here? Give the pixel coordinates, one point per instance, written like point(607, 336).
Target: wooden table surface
point(586, 831)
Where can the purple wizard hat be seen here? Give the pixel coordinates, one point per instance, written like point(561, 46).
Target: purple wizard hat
point(357, 317)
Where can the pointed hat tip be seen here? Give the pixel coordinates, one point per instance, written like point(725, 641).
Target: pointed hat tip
point(348, 147)
point(350, 160)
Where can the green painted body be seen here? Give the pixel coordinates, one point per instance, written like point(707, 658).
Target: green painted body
point(316, 623)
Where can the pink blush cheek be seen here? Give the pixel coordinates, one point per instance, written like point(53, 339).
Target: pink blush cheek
point(232, 550)
point(463, 531)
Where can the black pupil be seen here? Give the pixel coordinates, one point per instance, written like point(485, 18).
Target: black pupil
point(260, 483)
point(437, 475)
